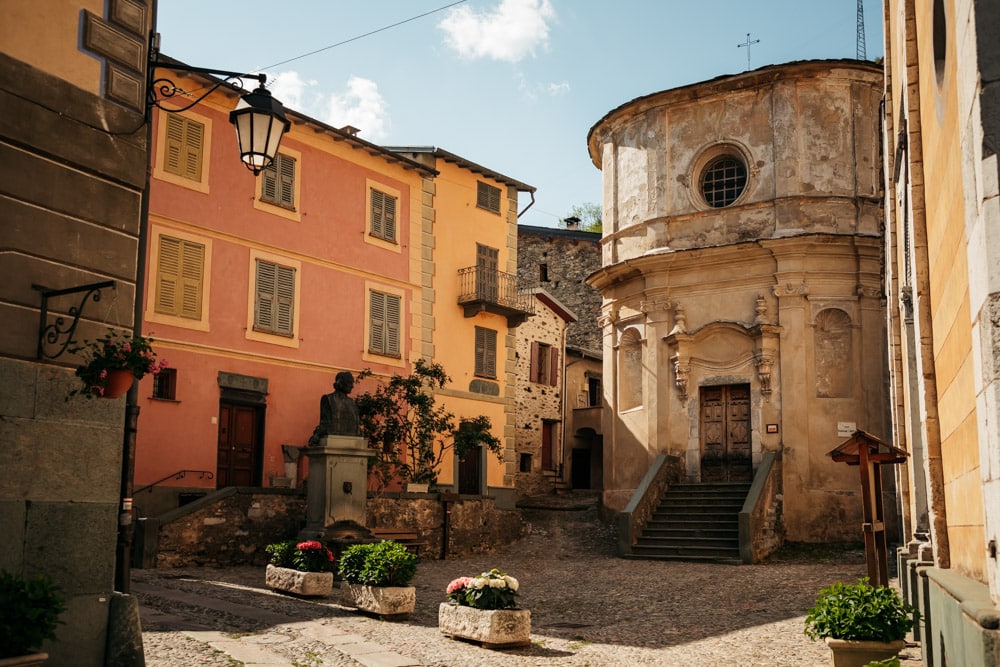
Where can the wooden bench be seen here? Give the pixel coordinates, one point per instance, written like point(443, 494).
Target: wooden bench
point(408, 538)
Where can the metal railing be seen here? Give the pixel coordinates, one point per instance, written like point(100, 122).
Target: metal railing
point(180, 474)
point(489, 286)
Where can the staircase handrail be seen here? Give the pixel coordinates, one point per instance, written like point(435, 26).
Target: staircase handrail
point(665, 469)
point(763, 495)
point(180, 474)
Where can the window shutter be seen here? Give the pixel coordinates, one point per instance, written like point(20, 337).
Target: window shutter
point(286, 169)
point(487, 197)
point(264, 311)
point(534, 361)
point(390, 218)
point(182, 154)
point(168, 275)
point(378, 213)
point(554, 358)
point(376, 323)
point(491, 353)
point(175, 144)
point(284, 299)
point(392, 317)
point(194, 135)
point(269, 184)
point(192, 270)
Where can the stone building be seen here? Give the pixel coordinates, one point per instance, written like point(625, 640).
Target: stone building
point(73, 136)
point(741, 282)
point(539, 420)
point(559, 261)
point(942, 120)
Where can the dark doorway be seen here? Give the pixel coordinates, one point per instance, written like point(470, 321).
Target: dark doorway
point(239, 458)
point(725, 433)
point(581, 468)
point(548, 428)
point(470, 472)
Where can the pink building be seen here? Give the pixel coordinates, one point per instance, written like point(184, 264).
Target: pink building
point(259, 290)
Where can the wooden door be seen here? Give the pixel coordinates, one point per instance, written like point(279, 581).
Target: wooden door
point(487, 273)
point(469, 472)
point(239, 445)
point(547, 428)
point(725, 434)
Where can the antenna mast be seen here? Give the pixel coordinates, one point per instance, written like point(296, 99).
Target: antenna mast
point(861, 54)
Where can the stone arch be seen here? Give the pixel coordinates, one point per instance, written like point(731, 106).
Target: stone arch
point(833, 354)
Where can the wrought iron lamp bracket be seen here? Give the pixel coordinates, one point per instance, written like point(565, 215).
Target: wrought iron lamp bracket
point(50, 334)
point(164, 88)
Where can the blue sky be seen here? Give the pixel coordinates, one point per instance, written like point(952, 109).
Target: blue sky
point(514, 85)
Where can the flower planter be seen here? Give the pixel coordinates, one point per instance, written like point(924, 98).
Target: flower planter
point(310, 584)
point(386, 601)
point(493, 628)
point(30, 660)
point(854, 653)
point(119, 382)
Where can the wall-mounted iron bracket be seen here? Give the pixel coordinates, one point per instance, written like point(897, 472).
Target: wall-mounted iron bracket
point(49, 335)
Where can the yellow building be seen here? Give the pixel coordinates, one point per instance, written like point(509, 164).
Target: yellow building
point(943, 288)
point(472, 306)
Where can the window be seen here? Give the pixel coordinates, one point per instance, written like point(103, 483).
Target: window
point(594, 392)
point(183, 151)
point(544, 363)
point(486, 352)
point(179, 276)
point(525, 464)
point(383, 325)
point(383, 215)
point(723, 180)
point(165, 384)
point(543, 273)
point(488, 197)
point(275, 302)
point(277, 182)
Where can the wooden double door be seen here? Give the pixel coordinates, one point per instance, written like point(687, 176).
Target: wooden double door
point(725, 434)
point(240, 445)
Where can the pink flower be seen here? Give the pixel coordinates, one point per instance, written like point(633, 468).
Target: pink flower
point(103, 374)
point(311, 544)
point(458, 584)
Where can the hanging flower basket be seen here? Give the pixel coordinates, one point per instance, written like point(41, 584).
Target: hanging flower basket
point(113, 363)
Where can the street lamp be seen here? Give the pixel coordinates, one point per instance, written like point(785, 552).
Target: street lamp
point(259, 118)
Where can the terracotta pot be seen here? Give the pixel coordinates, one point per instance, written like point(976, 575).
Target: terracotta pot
point(853, 653)
point(119, 382)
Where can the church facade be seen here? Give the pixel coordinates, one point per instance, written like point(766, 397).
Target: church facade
point(742, 285)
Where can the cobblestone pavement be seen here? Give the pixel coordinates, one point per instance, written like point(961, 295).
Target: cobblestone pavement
point(589, 607)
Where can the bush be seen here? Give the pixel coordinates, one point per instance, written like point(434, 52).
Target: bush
point(860, 612)
point(29, 613)
point(308, 556)
point(384, 563)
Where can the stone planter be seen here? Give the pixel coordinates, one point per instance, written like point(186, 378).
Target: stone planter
point(30, 660)
point(311, 584)
point(854, 653)
point(389, 602)
point(493, 628)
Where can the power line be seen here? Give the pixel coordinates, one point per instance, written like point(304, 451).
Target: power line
point(367, 34)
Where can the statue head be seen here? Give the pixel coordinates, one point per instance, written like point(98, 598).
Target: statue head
point(344, 382)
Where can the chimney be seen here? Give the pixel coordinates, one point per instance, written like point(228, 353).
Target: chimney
point(572, 222)
point(351, 130)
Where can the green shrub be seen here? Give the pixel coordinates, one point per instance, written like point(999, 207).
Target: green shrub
point(860, 612)
point(281, 553)
point(306, 556)
point(29, 613)
point(384, 563)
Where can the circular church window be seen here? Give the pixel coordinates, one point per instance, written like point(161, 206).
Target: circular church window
point(723, 180)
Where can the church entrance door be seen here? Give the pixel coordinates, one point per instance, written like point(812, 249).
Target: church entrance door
point(239, 445)
point(725, 433)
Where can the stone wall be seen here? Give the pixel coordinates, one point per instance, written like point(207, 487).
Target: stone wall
point(569, 256)
point(232, 526)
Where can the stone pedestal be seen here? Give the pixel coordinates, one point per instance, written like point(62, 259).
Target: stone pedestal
point(337, 485)
point(493, 628)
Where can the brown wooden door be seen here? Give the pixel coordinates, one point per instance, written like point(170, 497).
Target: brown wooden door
point(239, 435)
point(547, 445)
point(487, 273)
point(469, 475)
point(725, 434)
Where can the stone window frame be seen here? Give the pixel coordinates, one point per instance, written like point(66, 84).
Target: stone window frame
point(705, 157)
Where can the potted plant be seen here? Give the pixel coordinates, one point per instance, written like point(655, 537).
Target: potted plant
point(29, 614)
point(113, 363)
point(483, 609)
point(302, 568)
point(376, 578)
point(860, 623)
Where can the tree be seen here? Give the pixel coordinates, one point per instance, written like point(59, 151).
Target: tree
point(410, 432)
point(589, 215)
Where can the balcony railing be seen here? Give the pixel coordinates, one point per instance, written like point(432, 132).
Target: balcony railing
point(492, 291)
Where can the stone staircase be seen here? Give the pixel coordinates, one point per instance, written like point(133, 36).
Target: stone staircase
point(695, 522)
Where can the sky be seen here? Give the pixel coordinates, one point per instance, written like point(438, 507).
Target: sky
point(512, 85)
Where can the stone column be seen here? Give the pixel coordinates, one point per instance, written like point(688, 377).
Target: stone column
point(338, 482)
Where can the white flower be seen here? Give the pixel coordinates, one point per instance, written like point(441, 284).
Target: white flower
point(479, 582)
point(511, 582)
point(498, 583)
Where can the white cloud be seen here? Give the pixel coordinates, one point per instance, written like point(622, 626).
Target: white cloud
point(561, 88)
point(360, 105)
point(511, 31)
point(532, 91)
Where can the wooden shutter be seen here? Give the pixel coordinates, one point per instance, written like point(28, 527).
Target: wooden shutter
point(554, 366)
point(535, 350)
point(264, 308)
point(392, 317)
point(183, 150)
point(286, 180)
point(179, 273)
point(488, 197)
point(274, 310)
point(486, 352)
point(383, 324)
point(269, 184)
point(284, 297)
point(383, 215)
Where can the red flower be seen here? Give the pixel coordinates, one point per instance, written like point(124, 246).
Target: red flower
point(311, 544)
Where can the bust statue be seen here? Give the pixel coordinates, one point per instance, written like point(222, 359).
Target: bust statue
point(338, 414)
